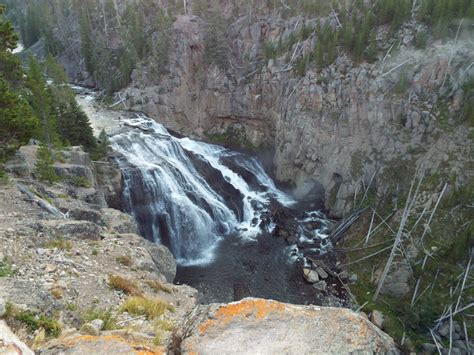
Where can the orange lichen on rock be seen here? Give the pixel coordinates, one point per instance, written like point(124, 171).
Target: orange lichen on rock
point(258, 308)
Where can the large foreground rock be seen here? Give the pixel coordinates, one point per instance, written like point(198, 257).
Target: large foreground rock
point(106, 345)
point(10, 344)
point(257, 326)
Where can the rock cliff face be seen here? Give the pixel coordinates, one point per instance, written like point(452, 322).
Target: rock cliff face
point(334, 128)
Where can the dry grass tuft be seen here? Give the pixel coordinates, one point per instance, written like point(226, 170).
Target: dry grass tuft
point(122, 284)
point(149, 307)
point(124, 260)
point(157, 286)
point(57, 293)
point(59, 243)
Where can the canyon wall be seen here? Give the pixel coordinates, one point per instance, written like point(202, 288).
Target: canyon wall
point(337, 129)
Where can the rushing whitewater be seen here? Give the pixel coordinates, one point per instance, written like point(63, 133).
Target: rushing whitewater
point(189, 194)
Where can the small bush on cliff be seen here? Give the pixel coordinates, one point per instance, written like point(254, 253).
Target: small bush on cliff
point(5, 269)
point(32, 320)
point(106, 315)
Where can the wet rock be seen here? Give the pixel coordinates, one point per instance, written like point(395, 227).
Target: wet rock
point(10, 344)
point(261, 326)
point(323, 274)
point(320, 286)
point(311, 276)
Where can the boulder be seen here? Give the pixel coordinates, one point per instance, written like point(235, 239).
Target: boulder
point(163, 259)
point(69, 172)
point(429, 348)
point(118, 222)
point(89, 329)
point(155, 258)
point(377, 318)
point(396, 284)
point(10, 344)
point(311, 276)
point(321, 285)
point(79, 210)
point(323, 274)
point(23, 162)
point(72, 229)
point(258, 326)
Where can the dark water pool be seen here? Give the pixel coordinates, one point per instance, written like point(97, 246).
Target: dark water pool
point(258, 268)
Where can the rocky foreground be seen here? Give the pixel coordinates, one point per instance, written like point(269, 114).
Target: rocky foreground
point(77, 279)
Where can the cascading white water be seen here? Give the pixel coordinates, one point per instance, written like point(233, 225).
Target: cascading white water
point(188, 194)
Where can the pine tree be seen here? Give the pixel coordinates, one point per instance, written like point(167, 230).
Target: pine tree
point(40, 99)
point(74, 126)
point(216, 47)
point(10, 69)
point(102, 147)
point(87, 44)
point(17, 123)
point(44, 165)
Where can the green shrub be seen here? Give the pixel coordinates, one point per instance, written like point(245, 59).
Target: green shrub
point(79, 181)
point(106, 315)
point(5, 269)
point(60, 243)
point(33, 321)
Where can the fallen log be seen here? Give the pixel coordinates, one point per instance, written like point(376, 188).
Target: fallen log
point(337, 234)
point(40, 202)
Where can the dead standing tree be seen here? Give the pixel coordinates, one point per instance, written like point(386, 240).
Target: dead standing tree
point(401, 233)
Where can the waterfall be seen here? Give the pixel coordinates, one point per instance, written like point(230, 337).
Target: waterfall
point(188, 194)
